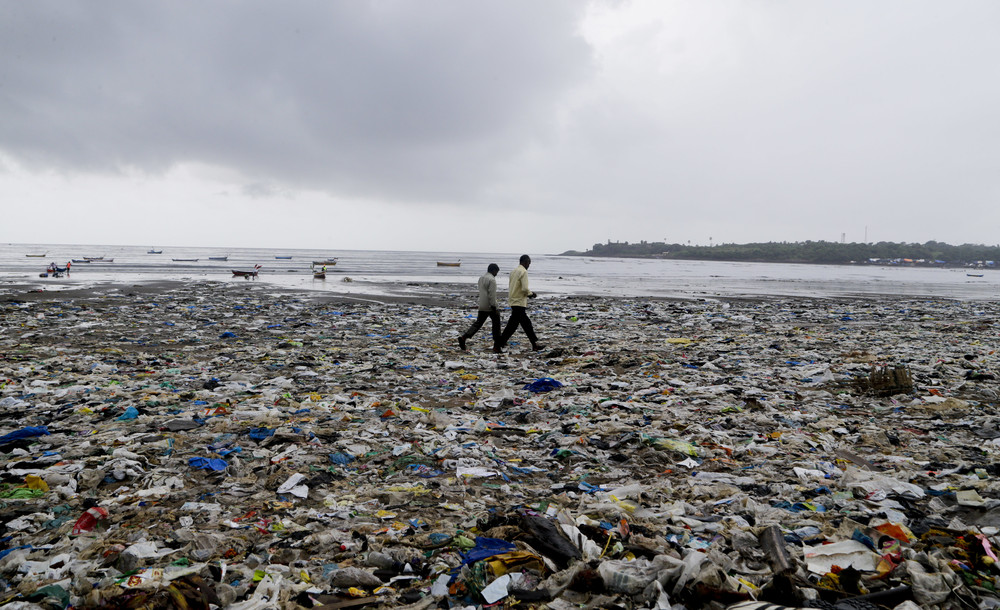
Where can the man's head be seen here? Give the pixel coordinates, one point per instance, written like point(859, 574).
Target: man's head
point(525, 261)
point(493, 268)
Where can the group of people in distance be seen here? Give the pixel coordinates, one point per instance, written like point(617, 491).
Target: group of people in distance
point(518, 294)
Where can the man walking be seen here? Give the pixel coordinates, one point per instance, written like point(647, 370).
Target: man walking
point(518, 294)
point(488, 306)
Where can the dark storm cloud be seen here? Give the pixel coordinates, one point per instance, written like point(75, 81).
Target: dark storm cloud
point(401, 100)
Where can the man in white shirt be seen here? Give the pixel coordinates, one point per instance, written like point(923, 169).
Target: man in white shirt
point(488, 306)
point(518, 294)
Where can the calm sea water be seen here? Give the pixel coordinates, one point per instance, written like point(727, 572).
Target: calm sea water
point(379, 272)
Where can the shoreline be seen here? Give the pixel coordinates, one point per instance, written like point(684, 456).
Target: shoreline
point(430, 293)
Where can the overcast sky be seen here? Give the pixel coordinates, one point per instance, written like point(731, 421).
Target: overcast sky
point(517, 126)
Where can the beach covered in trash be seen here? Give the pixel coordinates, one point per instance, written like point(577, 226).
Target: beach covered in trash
point(211, 444)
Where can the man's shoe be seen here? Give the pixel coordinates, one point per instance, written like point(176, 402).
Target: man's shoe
point(461, 343)
point(537, 347)
point(497, 349)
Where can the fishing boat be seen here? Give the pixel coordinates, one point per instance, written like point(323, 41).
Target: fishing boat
point(283, 258)
point(449, 264)
point(154, 251)
point(93, 258)
point(97, 260)
point(77, 260)
point(329, 263)
point(974, 274)
point(43, 255)
point(247, 274)
point(218, 258)
point(184, 260)
point(319, 275)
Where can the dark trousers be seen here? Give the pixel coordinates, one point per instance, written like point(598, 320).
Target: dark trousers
point(492, 315)
point(518, 317)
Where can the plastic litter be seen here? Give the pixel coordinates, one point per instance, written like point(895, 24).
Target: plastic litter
point(691, 454)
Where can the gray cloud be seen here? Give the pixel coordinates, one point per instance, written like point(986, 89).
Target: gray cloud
point(390, 99)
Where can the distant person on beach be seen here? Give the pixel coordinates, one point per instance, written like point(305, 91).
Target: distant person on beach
point(518, 294)
point(489, 307)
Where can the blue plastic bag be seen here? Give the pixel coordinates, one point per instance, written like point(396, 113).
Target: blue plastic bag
point(130, 413)
point(29, 432)
point(208, 463)
point(545, 384)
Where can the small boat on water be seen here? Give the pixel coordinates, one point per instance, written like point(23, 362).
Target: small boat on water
point(93, 258)
point(449, 264)
point(329, 263)
point(184, 260)
point(283, 258)
point(974, 274)
point(154, 251)
point(218, 258)
point(77, 260)
point(98, 260)
point(43, 255)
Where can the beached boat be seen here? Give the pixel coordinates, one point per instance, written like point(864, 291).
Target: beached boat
point(93, 258)
point(449, 264)
point(43, 255)
point(154, 251)
point(329, 263)
point(98, 260)
point(247, 274)
point(974, 274)
point(77, 260)
point(218, 258)
point(184, 260)
point(319, 275)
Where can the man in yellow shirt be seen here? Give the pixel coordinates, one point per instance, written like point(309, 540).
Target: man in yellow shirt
point(518, 294)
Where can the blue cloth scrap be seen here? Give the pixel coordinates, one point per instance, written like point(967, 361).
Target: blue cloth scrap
point(29, 432)
point(208, 463)
point(545, 384)
point(227, 335)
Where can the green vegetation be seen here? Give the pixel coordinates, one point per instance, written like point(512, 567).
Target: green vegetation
point(820, 252)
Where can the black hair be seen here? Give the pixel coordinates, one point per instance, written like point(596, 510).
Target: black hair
point(493, 268)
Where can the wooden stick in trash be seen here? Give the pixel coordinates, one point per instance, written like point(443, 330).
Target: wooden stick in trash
point(773, 544)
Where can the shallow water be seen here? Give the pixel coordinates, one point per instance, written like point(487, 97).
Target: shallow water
point(380, 272)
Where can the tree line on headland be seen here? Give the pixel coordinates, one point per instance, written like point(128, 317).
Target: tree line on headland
point(931, 253)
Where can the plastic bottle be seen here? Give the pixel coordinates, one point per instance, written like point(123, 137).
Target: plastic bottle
point(88, 520)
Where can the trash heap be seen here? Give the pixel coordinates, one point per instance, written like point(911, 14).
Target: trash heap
point(211, 445)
